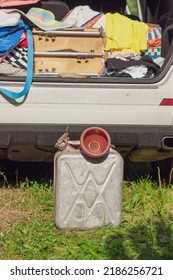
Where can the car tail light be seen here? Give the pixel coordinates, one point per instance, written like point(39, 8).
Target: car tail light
point(167, 102)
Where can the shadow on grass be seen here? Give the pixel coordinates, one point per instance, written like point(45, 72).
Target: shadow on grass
point(150, 241)
point(14, 172)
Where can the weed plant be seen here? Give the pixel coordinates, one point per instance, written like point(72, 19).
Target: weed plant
point(27, 228)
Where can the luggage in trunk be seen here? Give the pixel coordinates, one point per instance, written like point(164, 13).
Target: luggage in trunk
point(69, 52)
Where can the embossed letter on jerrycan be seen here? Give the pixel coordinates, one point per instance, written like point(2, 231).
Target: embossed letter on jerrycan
point(88, 178)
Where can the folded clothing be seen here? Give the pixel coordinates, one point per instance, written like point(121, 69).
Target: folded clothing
point(124, 34)
point(154, 37)
point(114, 64)
point(17, 57)
point(154, 42)
point(10, 37)
point(9, 20)
point(153, 52)
point(8, 69)
point(82, 16)
point(10, 3)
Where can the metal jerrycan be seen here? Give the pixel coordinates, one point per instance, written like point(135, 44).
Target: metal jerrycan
point(88, 176)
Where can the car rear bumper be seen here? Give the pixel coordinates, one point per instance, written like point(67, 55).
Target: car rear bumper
point(139, 136)
point(46, 134)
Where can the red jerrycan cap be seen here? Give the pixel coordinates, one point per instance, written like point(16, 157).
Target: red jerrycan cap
point(95, 142)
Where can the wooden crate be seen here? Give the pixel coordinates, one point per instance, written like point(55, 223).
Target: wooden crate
point(69, 52)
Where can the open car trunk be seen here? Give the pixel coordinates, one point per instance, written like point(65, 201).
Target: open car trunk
point(153, 12)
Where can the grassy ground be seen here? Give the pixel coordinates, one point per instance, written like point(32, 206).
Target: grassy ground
point(27, 229)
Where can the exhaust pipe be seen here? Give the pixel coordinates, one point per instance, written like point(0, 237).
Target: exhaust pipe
point(167, 142)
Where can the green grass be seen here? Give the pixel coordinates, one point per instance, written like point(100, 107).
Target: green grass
point(27, 228)
point(133, 6)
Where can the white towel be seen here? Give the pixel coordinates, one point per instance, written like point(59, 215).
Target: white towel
point(9, 19)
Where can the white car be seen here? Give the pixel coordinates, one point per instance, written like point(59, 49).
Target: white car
point(136, 112)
